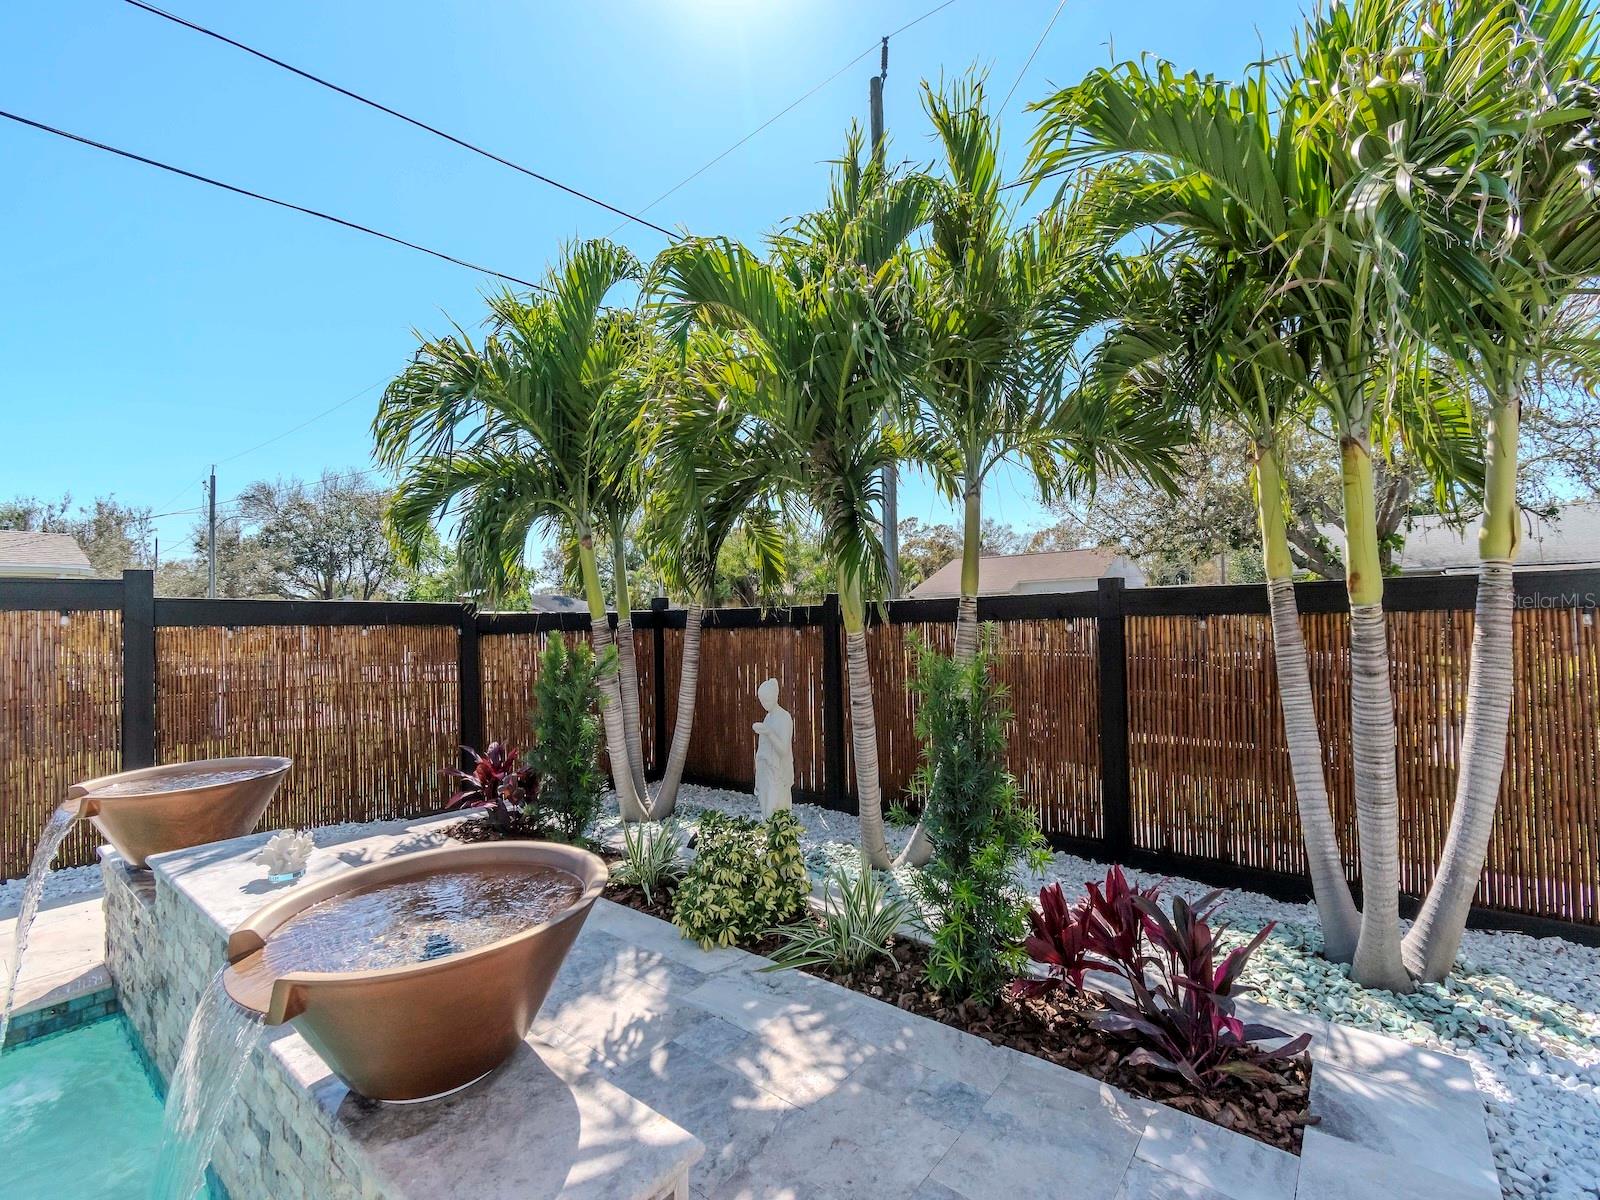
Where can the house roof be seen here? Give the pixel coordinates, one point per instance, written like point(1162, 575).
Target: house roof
point(42, 555)
point(1001, 574)
point(1569, 539)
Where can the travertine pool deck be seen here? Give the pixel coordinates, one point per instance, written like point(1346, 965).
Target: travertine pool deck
point(64, 981)
point(800, 1089)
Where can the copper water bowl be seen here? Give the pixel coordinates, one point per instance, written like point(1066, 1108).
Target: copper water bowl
point(182, 805)
point(424, 1029)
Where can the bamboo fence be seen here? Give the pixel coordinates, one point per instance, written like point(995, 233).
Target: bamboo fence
point(372, 715)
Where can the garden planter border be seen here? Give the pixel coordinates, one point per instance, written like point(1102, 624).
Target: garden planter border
point(1393, 1118)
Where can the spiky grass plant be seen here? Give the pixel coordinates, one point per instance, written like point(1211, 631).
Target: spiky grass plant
point(650, 857)
point(857, 920)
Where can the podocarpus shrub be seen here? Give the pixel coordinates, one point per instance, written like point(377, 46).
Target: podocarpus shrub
point(747, 877)
point(976, 823)
point(566, 749)
point(1179, 1011)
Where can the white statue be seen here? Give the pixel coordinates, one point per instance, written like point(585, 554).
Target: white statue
point(774, 753)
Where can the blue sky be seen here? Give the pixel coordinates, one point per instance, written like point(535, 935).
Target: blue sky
point(150, 326)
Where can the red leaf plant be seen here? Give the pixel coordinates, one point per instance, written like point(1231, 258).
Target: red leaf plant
point(497, 783)
point(1179, 1004)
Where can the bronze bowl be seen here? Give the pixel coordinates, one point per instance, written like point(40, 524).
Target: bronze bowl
point(173, 807)
point(425, 1028)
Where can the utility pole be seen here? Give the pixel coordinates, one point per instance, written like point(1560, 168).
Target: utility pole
point(211, 534)
point(890, 482)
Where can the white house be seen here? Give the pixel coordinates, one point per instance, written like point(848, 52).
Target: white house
point(1571, 538)
point(1030, 574)
point(25, 554)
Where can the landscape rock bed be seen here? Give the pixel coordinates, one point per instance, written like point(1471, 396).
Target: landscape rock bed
point(1523, 1012)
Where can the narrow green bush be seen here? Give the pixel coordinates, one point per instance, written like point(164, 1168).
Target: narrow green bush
point(566, 749)
point(976, 917)
point(747, 876)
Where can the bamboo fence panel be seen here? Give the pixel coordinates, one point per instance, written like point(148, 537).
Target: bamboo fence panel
point(509, 668)
point(60, 722)
point(368, 713)
point(1209, 773)
point(1049, 668)
point(733, 663)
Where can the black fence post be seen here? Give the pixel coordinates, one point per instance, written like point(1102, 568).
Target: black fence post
point(469, 683)
point(1111, 639)
point(834, 788)
point(138, 669)
point(658, 759)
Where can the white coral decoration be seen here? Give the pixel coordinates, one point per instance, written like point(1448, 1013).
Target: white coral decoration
point(286, 852)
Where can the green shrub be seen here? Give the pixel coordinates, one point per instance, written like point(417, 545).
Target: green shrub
point(566, 750)
point(747, 876)
point(650, 859)
point(857, 920)
point(977, 825)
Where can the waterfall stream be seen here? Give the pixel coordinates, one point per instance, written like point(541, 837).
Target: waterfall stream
point(218, 1044)
point(55, 832)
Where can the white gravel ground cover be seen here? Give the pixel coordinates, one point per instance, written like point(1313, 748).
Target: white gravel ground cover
point(1524, 1012)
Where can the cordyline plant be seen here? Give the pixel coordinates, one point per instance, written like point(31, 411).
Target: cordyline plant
point(1180, 1006)
point(497, 783)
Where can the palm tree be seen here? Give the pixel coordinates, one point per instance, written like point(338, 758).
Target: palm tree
point(1198, 333)
point(1236, 169)
point(1478, 195)
point(511, 435)
point(710, 478)
point(824, 321)
point(1000, 312)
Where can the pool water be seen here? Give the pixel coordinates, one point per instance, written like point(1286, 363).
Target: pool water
point(79, 1118)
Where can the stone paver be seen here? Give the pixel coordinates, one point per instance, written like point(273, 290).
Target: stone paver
point(1440, 1131)
point(1333, 1169)
point(1240, 1168)
point(66, 954)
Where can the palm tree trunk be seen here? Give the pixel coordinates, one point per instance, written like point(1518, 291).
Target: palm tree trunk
point(1430, 948)
point(863, 724)
point(1336, 912)
point(628, 801)
point(1377, 959)
point(683, 727)
point(971, 548)
point(629, 666)
point(920, 848)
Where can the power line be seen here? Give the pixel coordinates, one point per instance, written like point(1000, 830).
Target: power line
point(1031, 56)
point(398, 115)
point(308, 421)
point(233, 501)
point(239, 191)
point(701, 170)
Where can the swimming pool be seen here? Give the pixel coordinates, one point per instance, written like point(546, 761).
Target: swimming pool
point(79, 1118)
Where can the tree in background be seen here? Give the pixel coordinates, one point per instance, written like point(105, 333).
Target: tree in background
point(114, 537)
point(322, 541)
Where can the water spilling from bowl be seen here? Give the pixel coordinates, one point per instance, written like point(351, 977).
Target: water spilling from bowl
point(218, 1044)
point(55, 832)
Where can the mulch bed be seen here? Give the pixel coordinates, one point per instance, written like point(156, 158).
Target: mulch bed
point(1058, 1027)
